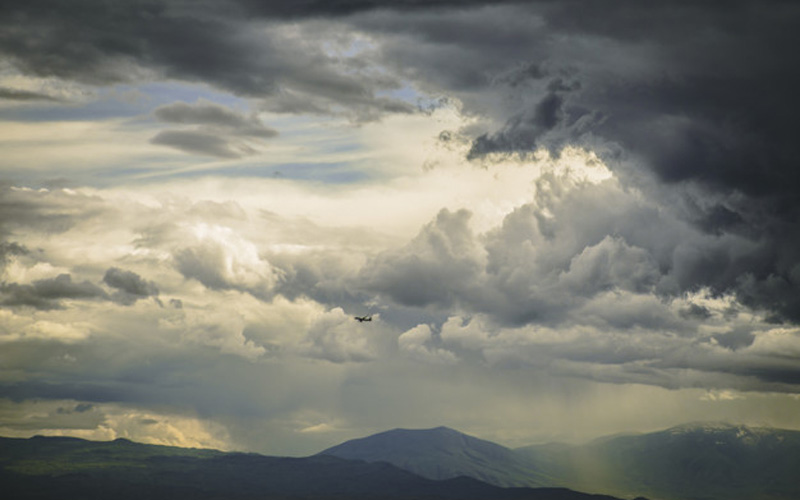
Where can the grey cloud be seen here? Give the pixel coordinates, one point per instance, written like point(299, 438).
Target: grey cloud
point(10, 248)
point(682, 100)
point(219, 43)
point(12, 94)
point(219, 266)
point(521, 75)
point(611, 264)
point(78, 408)
point(129, 285)
point(551, 259)
point(651, 356)
point(694, 105)
point(695, 311)
point(339, 342)
point(46, 293)
point(199, 142)
point(328, 278)
point(526, 131)
point(219, 131)
point(62, 286)
point(371, 109)
point(216, 116)
point(735, 339)
point(82, 407)
point(48, 211)
point(438, 267)
point(347, 7)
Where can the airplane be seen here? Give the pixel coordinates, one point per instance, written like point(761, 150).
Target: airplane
point(362, 319)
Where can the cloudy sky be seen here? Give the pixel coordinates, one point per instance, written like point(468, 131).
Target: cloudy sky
point(567, 219)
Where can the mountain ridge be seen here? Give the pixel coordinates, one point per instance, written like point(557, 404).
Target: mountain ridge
point(442, 453)
point(45, 468)
point(709, 460)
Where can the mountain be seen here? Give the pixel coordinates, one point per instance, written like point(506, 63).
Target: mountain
point(688, 462)
point(50, 468)
point(443, 453)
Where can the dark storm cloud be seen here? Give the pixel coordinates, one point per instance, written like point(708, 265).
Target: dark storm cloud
point(567, 256)
point(548, 124)
point(218, 43)
point(344, 7)
point(693, 103)
point(129, 286)
point(46, 294)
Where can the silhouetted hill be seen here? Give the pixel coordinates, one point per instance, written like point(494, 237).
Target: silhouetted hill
point(442, 453)
point(43, 468)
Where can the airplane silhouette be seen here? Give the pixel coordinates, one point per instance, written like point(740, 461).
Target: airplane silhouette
point(362, 319)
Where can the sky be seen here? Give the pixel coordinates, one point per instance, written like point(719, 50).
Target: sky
point(567, 219)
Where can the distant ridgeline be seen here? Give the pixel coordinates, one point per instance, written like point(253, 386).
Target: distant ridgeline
point(698, 461)
point(710, 462)
point(68, 468)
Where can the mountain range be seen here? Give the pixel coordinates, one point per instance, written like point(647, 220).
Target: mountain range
point(690, 462)
point(50, 468)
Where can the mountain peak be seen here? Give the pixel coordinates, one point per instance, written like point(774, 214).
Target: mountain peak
point(439, 453)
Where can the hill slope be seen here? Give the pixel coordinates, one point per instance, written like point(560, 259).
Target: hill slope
point(699, 461)
point(689, 462)
point(56, 468)
point(443, 453)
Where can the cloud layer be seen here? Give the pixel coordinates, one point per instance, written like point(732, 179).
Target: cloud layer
point(541, 201)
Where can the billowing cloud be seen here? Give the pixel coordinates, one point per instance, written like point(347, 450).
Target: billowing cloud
point(221, 259)
point(438, 266)
point(551, 210)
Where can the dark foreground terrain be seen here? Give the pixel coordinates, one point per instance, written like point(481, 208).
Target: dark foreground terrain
point(70, 468)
